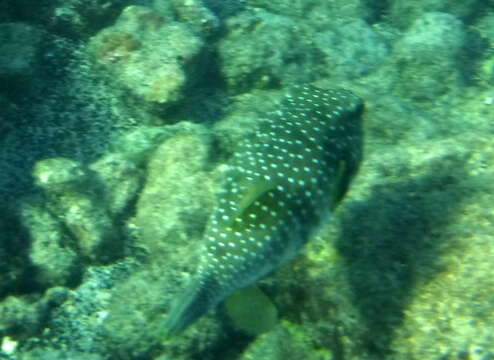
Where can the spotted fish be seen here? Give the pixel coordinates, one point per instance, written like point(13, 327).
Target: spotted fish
point(282, 182)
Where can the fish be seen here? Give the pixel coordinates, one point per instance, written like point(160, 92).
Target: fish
point(282, 183)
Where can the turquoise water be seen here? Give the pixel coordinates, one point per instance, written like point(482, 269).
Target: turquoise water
point(123, 127)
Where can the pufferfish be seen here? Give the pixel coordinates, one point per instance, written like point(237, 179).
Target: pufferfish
point(282, 182)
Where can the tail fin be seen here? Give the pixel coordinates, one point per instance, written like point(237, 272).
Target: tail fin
point(198, 298)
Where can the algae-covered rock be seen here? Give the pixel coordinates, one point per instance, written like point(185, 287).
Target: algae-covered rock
point(59, 175)
point(19, 316)
point(403, 13)
point(287, 342)
point(428, 56)
point(152, 57)
point(173, 203)
point(25, 316)
point(296, 7)
point(75, 321)
point(55, 261)
point(196, 14)
point(411, 268)
point(121, 178)
point(130, 328)
point(51, 353)
point(121, 173)
point(171, 212)
point(258, 51)
point(351, 50)
point(315, 11)
point(75, 18)
point(263, 49)
point(79, 204)
point(450, 313)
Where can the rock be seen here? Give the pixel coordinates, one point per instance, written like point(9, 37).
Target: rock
point(428, 56)
point(79, 204)
point(153, 58)
point(351, 50)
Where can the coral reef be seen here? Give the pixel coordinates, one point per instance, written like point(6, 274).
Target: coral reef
point(118, 122)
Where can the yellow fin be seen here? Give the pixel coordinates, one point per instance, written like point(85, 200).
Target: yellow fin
point(251, 310)
point(253, 193)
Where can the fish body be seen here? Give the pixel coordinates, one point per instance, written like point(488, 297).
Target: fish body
point(281, 184)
